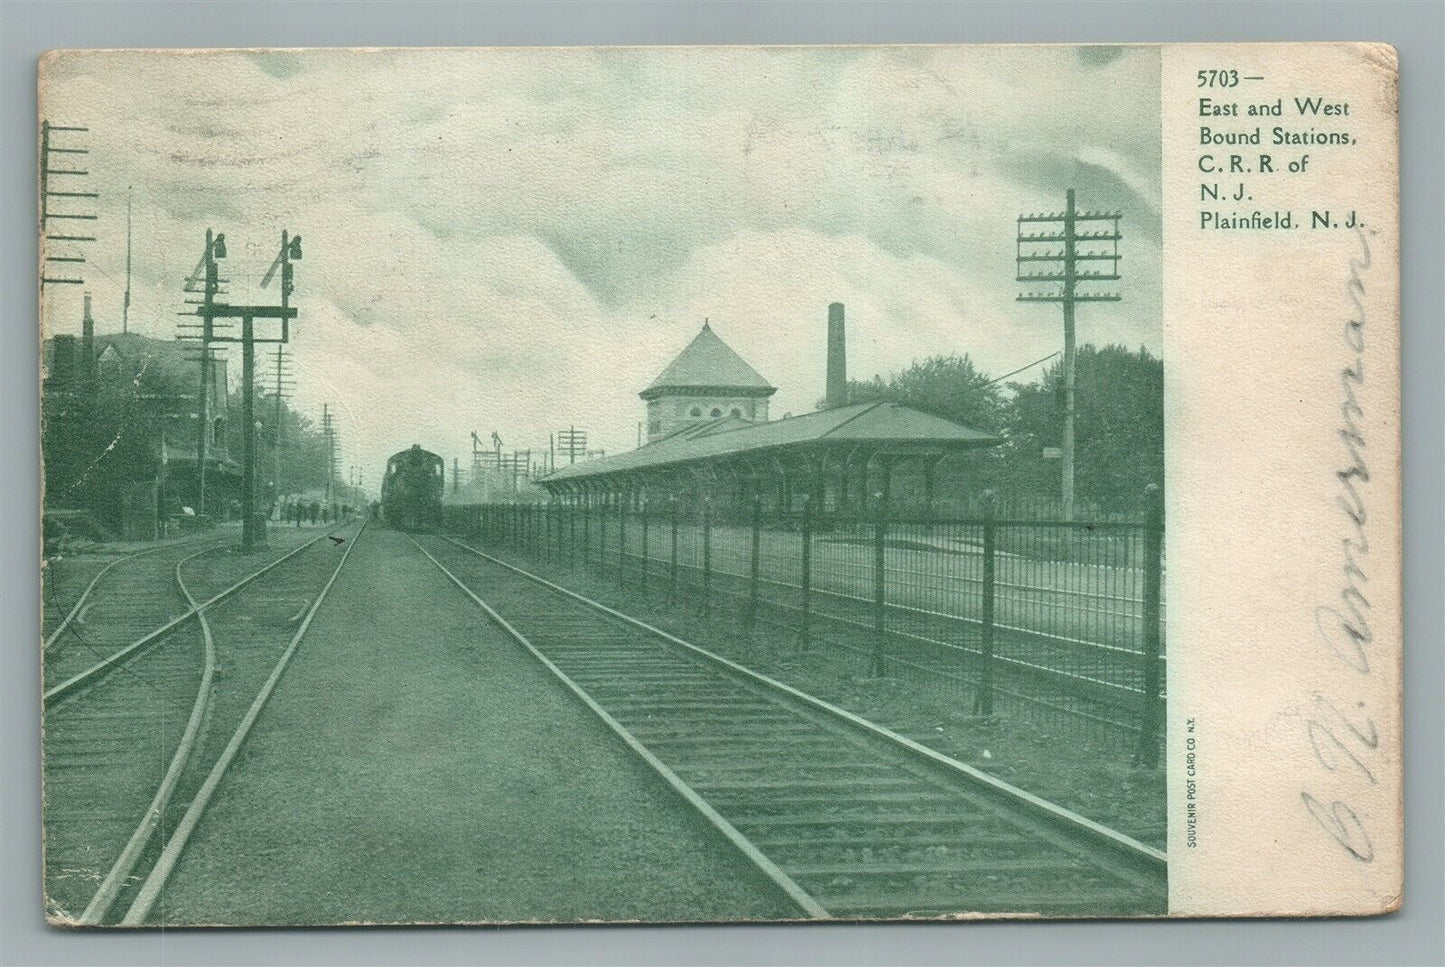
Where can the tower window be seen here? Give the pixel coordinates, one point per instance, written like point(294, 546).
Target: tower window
point(716, 411)
point(736, 411)
point(695, 411)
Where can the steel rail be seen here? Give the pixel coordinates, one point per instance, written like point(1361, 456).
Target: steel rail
point(155, 882)
point(800, 897)
point(94, 582)
point(109, 663)
point(110, 887)
point(1139, 856)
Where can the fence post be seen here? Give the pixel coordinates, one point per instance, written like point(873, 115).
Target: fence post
point(878, 666)
point(621, 540)
point(672, 570)
point(1151, 708)
point(751, 618)
point(602, 537)
point(983, 701)
point(706, 556)
point(643, 574)
point(805, 579)
point(586, 527)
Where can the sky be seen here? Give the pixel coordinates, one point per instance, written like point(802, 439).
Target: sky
point(520, 239)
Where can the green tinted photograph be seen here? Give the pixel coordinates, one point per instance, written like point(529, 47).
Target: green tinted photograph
point(498, 486)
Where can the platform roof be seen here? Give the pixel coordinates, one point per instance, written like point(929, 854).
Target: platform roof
point(879, 427)
point(709, 363)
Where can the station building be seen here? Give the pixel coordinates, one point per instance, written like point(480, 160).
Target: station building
point(118, 434)
point(709, 437)
point(707, 381)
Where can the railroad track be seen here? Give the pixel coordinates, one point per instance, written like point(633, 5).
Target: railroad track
point(847, 818)
point(127, 597)
point(935, 645)
point(176, 703)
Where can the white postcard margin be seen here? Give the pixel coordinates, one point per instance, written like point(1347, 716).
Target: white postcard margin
point(1282, 409)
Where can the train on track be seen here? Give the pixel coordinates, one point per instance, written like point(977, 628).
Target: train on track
point(411, 491)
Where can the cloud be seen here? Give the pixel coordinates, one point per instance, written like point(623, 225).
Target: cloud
point(522, 238)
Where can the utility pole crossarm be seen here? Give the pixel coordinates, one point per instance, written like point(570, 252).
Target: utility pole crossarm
point(1047, 297)
point(1041, 262)
point(48, 194)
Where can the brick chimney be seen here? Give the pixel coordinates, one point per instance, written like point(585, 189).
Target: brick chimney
point(87, 343)
point(837, 386)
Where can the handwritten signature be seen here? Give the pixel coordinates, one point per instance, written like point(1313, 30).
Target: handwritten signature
point(1343, 739)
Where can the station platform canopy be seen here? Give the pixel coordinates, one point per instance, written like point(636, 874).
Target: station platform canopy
point(817, 453)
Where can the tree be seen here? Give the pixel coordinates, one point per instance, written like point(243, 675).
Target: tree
point(1118, 423)
point(948, 386)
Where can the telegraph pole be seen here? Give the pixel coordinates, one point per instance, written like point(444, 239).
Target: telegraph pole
point(215, 248)
point(456, 475)
point(278, 437)
point(572, 442)
point(248, 434)
point(125, 306)
point(521, 466)
point(328, 435)
point(1039, 260)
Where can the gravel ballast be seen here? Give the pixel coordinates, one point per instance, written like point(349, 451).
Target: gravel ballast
point(416, 765)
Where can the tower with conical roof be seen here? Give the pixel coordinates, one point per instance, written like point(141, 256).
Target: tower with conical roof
point(706, 381)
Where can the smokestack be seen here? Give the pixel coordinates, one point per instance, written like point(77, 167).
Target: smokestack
point(87, 342)
point(837, 392)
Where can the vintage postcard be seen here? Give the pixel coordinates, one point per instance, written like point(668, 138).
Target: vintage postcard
point(719, 484)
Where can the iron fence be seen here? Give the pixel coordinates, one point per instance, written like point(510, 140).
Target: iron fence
point(1054, 617)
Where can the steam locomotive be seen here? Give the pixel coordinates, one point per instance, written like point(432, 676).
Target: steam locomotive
point(411, 491)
